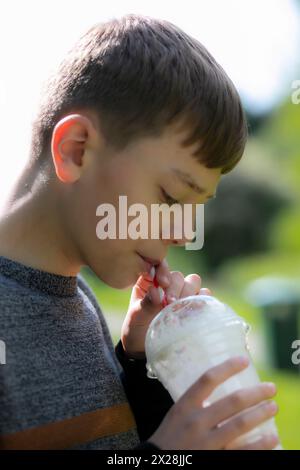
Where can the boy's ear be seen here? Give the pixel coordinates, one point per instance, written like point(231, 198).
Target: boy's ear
point(68, 144)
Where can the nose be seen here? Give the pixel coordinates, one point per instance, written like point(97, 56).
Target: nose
point(181, 230)
point(176, 241)
point(179, 242)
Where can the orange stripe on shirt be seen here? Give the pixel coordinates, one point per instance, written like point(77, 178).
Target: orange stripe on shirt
point(73, 431)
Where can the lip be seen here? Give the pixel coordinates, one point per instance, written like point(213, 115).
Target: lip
point(149, 262)
point(154, 262)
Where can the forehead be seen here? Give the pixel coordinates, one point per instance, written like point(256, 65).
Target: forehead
point(168, 157)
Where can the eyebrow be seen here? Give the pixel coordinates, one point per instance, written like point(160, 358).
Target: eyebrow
point(188, 180)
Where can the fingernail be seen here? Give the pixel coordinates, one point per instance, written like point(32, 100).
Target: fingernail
point(152, 272)
point(205, 291)
point(269, 387)
point(272, 407)
point(161, 294)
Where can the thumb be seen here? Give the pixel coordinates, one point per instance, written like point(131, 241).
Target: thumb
point(152, 301)
point(146, 296)
point(145, 286)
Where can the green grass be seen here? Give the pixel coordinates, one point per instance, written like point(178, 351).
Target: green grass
point(238, 273)
point(288, 418)
point(108, 298)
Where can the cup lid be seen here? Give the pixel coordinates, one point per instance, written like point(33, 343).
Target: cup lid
point(197, 313)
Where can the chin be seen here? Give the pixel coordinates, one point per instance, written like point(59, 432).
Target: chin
point(127, 281)
point(121, 282)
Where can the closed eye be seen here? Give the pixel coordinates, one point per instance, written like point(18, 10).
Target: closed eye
point(167, 198)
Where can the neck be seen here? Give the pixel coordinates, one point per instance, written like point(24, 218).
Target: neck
point(32, 231)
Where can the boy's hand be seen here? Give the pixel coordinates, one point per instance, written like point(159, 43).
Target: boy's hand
point(146, 303)
point(189, 425)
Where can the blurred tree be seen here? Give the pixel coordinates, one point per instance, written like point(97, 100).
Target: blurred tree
point(256, 121)
point(237, 222)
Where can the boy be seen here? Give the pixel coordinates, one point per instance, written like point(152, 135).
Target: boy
point(137, 108)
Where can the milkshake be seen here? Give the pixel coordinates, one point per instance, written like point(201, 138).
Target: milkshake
point(192, 335)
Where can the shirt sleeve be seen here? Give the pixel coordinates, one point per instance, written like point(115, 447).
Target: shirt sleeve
point(148, 398)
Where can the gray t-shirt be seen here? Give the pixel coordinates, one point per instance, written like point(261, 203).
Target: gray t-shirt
point(60, 386)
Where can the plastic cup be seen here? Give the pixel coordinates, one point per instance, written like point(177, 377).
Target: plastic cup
point(192, 335)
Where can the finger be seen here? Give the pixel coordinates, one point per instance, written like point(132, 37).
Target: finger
point(145, 280)
point(236, 402)
point(176, 285)
point(244, 422)
point(151, 302)
point(192, 285)
point(141, 288)
point(163, 275)
point(265, 443)
point(205, 385)
point(205, 291)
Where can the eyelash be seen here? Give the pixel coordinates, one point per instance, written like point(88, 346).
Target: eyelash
point(168, 199)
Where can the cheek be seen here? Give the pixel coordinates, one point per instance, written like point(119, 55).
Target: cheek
point(113, 263)
point(127, 178)
point(94, 221)
point(104, 186)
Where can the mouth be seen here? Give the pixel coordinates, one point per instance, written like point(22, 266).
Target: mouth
point(149, 262)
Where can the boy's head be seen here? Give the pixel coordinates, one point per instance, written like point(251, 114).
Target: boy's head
point(137, 108)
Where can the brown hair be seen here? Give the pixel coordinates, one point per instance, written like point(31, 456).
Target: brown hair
point(140, 74)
